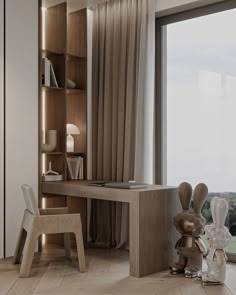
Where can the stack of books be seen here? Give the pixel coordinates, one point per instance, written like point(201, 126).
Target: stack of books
point(123, 185)
point(48, 74)
point(76, 167)
point(52, 177)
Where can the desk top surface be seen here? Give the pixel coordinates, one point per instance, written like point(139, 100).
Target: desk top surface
point(82, 189)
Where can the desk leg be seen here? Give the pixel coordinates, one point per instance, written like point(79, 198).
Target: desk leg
point(152, 233)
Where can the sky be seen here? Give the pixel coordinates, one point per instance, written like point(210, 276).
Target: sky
point(201, 101)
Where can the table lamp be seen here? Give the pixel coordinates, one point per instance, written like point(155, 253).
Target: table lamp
point(71, 129)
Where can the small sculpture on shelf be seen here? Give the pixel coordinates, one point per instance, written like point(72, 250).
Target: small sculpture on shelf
point(51, 175)
point(218, 237)
point(190, 224)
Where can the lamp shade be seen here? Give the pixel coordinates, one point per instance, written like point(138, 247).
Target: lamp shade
point(72, 129)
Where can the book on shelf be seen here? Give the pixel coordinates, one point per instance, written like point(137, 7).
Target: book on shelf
point(53, 78)
point(48, 74)
point(76, 167)
point(126, 185)
point(123, 185)
point(48, 177)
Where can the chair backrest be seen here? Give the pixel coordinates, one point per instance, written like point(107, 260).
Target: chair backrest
point(30, 199)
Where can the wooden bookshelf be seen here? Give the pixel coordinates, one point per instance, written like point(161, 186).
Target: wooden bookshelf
point(66, 48)
point(76, 64)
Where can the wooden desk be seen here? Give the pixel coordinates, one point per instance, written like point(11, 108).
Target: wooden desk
point(152, 234)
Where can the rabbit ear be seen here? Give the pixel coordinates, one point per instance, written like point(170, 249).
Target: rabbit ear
point(213, 208)
point(221, 211)
point(185, 194)
point(199, 196)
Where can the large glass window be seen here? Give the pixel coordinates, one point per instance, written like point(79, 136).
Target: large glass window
point(201, 106)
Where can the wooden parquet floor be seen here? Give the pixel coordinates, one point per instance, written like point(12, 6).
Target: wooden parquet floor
point(108, 273)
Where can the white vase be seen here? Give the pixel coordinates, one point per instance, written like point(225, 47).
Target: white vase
point(51, 141)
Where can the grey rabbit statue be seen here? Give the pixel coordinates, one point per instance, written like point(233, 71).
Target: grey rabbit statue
point(190, 224)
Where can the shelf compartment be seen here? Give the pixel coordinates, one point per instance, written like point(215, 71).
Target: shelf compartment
point(58, 163)
point(56, 28)
point(77, 33)
point(77, 115)
point(77, 72)
point(55, 111)
point(58, 63)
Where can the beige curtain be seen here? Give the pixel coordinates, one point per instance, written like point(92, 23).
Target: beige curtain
point(120, 38)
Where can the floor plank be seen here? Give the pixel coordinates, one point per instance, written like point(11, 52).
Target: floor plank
point(108, 273)
point(52, 277)
point(27, 286)
point(8, 277)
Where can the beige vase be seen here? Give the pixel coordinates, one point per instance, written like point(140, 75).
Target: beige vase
point(51, 141)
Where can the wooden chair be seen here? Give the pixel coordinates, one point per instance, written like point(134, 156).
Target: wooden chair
point(45, 221)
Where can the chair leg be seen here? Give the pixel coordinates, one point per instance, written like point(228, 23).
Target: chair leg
point(67, 244)
point(19, 246)
point(28, 255)
point(80, 250)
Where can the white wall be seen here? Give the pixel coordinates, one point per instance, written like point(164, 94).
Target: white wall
point(165, 7)
point(21, 110)
point(1, 131)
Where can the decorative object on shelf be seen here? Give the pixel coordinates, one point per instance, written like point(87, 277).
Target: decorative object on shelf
point(76, 167)
point(48, 74)
point(53, 79)
point(51, 175)
point(190, 224)
point(70, 84)
point(71, 129)
point(218, 237)
point(51, 138)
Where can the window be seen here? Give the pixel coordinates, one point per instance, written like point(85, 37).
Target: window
point(199, 106)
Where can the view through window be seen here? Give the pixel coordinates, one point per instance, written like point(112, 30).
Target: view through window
point(201, 107)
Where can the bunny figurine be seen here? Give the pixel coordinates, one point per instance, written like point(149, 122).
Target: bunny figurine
point(190, 224)
point(218, 237)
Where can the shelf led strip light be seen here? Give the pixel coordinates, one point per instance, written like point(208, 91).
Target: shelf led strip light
point(43, 110)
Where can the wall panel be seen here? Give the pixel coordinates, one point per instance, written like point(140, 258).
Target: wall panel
point(1, 129)
point(21, 110)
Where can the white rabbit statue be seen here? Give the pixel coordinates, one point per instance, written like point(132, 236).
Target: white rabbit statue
point(218, 237)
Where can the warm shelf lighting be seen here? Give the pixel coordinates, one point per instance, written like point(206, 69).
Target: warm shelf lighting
point(44, 9)
point(43, 110)
point(43, 206)
point(43, 129)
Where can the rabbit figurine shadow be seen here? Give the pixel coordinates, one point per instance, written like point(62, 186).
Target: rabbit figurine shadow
point(190, 224)
point(218, 237)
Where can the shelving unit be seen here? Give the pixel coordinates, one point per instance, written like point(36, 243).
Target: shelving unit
point(76, 65)
point(64, 43)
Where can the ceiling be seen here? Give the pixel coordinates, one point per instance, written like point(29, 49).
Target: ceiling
point(73, 5)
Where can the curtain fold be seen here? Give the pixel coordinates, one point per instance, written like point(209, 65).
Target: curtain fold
point(120, 38)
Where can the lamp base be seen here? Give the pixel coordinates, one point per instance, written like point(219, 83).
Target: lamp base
point(69, 143)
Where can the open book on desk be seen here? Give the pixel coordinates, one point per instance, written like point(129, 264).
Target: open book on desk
point(124, 185)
